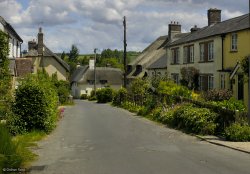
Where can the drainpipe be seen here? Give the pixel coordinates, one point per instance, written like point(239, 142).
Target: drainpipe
point(222, 52)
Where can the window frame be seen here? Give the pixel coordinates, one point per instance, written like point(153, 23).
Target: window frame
point(234, 42)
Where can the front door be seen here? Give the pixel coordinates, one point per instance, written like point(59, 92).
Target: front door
point(240, 87)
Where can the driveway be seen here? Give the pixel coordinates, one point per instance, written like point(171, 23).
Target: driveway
point(100, 139)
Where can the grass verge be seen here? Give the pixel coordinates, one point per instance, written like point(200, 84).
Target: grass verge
point(15, 152)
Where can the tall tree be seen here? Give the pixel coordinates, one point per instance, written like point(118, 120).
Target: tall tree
point(63, 55)
point(73, 54)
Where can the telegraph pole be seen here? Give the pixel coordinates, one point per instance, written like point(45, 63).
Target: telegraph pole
point(249, 73)
point(125, 54)
point(95, 71)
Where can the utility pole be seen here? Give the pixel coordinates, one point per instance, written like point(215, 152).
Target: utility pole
point(95, 71)
point(249, 73)
point(125, 54)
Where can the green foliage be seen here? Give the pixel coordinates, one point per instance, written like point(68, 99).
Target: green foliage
point(132, 107)
point(190, 77)
point(73, 54)
point(5, 77)
point(195, 120)
point(245, 64)
point(92, 96)
point(170, 90)
point(237, 132)
point(156, 114)
point(104, 95)
point(63, 55)
point(138, 89)
point(36, 103)
point(9, 157)
point(111, 62)
point(217, 95)
point(120, 97)
point(63, 91)
point(84, 97)
point(231, 104)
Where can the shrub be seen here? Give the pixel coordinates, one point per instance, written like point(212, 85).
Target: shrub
point(9, 158)
point(237, 132)
point(63, 91)
point(84, 97)
point(131, 106)
point(36, 103)
point(120, 96)
point(170, 90)
point(104, 95)
point(92, 96)
point(156, 114)
point(217, 95)
point(231, 104)
point(195, 120)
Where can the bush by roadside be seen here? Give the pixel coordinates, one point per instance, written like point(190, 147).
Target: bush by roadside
point(238, 132)
point(35, 105)
point(104, 95)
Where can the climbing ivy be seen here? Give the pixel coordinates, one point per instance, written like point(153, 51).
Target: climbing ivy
point(5, 77)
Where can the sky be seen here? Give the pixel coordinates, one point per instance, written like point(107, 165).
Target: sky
point(98, 24)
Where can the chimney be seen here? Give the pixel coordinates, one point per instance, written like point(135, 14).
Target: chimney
point(91, 64)
point(214, 16)
point(173, 29)
point(31, 45)
point(194, 29)
point(40, 42)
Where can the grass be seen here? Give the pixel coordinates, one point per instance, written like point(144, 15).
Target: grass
point(25, 143)
point(15, 151)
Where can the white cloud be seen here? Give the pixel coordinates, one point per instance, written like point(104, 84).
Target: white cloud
point(98, 23)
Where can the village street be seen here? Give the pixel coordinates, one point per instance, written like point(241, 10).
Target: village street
point(99, 139)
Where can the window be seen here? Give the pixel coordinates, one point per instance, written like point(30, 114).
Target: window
point(103, 82)
point(202, 53)
point(210, 51)
point(175, 55)
point(206, 82)
point(222, 81)
point(188, 56)
point(90, 82)
point(207, 51)
point(175, 78)
point(159, 73)
point(210, 82)
point(234, 39)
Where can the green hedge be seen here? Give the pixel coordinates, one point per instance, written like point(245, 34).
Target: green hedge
point(104, 95)
point(238, 132)
point(35, 104)
point(194, 120)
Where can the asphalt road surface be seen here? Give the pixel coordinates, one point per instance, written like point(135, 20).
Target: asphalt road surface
point(99, 139)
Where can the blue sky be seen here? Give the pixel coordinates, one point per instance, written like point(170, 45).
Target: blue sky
point(98, 23)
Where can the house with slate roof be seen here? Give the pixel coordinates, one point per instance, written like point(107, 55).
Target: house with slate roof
point(158, 68)
point(83, 79)
point(43, 58)
point(214, 50)
point(154, 52)
point(15, 42)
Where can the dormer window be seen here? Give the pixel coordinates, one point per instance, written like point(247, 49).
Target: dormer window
point(234, 41)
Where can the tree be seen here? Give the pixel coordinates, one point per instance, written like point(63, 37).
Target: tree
point(63, 55)
point(73, 54)
point(190, 77)
point(245, 65)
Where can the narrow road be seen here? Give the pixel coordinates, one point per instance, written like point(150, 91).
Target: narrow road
point(99, 139)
